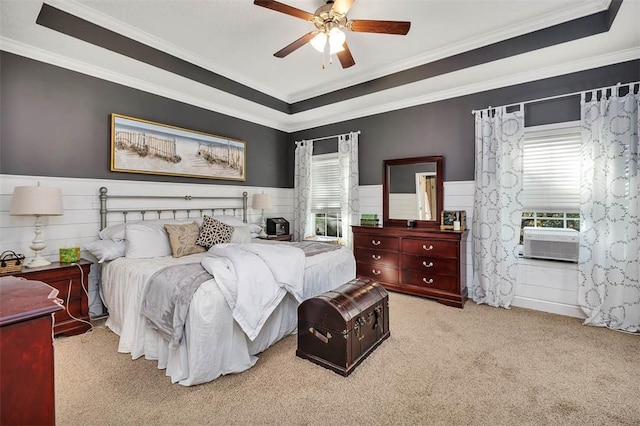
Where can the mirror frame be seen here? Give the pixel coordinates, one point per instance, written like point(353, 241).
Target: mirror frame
point(439, 160)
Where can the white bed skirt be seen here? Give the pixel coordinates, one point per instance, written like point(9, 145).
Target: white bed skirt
point(214, 343)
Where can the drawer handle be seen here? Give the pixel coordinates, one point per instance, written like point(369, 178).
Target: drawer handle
point(376, 272)
point(427, 265)
point(427, 281)
point(375, 256)
point(375, 243)
point(424, 247)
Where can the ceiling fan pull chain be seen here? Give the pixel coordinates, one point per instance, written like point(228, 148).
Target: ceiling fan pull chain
point(325, 52)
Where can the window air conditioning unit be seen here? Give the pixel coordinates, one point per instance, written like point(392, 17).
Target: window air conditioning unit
point(551, 243)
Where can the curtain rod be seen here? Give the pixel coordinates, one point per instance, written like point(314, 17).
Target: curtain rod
point(330, 137)
point(566, 95)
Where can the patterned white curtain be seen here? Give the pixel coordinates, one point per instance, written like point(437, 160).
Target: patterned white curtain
point(349, 181)
point(497, 208)
point(609, 265)
point(303, 225)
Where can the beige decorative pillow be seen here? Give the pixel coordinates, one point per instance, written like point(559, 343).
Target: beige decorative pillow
point(182, 238)
point(214, 232)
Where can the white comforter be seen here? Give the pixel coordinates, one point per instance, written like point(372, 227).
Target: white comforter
point(214, 343)
point(254, 278)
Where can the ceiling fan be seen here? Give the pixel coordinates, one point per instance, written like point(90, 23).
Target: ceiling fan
point(330, 21)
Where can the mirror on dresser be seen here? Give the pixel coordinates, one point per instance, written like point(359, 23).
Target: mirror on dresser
point(412, 190)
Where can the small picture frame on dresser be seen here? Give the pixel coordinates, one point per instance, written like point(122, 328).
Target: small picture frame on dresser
point(453, 219)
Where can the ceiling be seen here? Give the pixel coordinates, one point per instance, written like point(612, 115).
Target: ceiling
point(236, 40)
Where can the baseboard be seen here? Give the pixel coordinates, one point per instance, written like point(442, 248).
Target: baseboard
point(551, 307)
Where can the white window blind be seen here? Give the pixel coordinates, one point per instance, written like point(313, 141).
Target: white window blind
point(551, 168)
point(325, 183)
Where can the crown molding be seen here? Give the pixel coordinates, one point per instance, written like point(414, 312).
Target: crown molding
point(126, 30)
point(42, 55)
point(347, 110)
point(354, 112)
point(524, 27)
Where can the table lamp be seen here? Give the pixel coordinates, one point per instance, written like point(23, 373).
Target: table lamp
point(261, 202)
point(36, 201)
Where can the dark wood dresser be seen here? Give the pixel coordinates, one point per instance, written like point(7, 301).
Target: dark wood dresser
point(26, 352)
point(419, 261)
point(60, 276)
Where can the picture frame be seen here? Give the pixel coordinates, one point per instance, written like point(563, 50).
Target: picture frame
point(449, 217)
point(147, 147)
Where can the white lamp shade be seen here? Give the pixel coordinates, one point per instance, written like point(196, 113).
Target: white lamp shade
point(319, 41)
point(36, 201)
point(336, 40)
point(261, 201)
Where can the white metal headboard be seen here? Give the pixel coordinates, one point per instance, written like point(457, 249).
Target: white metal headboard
point(171, 212)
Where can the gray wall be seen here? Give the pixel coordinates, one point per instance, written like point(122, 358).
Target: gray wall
point(447, 127)
point(56, 122)
point(402, 177)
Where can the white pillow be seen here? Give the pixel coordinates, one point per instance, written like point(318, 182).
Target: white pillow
point(254, 228)
point(118, 232)
point(241, 235)
point(145, 240)
point(106, 249)
point(230, 220)
point(113, 232)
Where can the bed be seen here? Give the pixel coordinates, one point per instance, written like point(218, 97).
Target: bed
point(213, 341)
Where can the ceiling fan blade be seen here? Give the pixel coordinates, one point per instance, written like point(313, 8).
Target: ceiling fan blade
point(295, 45)
point(342, 6)
point(283, 8)
point(346, 59)
point(382, 27)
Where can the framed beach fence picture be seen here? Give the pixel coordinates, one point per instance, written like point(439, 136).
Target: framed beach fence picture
point(141, 146)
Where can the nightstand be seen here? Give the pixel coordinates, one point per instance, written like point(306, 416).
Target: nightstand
point(60, 276)
point(285, 237)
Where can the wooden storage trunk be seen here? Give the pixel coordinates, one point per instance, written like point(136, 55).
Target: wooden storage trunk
point(339, 328)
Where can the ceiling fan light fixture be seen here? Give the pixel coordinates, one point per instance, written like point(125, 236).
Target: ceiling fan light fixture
point(336, 40)
point(319, 41)
point(330, 21)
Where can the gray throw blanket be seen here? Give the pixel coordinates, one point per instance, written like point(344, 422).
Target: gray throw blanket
point(311, 248)
point(166, 301)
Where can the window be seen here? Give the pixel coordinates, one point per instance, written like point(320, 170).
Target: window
point(328, 224)
point(551, 176)
point(325, 195)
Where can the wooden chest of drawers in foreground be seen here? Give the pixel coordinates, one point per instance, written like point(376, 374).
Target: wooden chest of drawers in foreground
point(419, 261)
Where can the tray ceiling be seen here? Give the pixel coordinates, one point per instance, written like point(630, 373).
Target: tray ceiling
point(227, 48)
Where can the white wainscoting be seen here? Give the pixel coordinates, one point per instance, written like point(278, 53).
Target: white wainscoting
point(543, 285)
point(80, 222)
point(546, 286)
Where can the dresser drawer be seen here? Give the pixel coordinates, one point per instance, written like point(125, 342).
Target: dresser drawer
point(429, 247)
point(74, 308)
point(377, 257)
point(429, 280)
point(62, 285)
point(376, 272)
point(432, 265)
point(65, 276)
point(374, 241)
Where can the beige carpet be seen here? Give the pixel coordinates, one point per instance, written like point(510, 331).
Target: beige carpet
point(441, 365)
